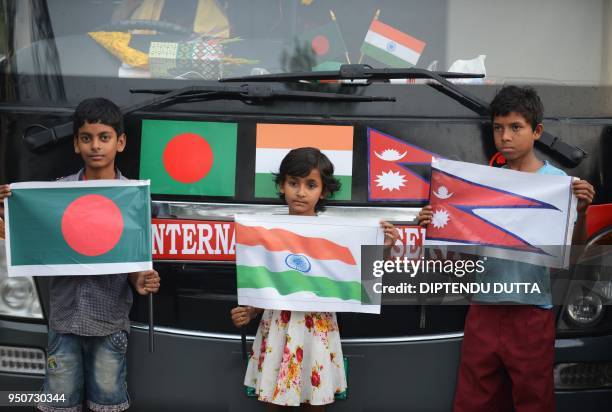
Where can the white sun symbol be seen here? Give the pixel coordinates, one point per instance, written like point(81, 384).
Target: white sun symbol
point(440, 219)
point(390, 155)
point(390, 180)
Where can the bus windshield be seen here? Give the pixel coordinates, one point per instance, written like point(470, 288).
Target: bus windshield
point(545, 42)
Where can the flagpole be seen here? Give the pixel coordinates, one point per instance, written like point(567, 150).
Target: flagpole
point(243, 343)
point(375, 18)
point(333, 17)
point(151, 328)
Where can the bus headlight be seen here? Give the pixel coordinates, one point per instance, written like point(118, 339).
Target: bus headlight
point(584, 309)
point(18, 298)
point(587, 307)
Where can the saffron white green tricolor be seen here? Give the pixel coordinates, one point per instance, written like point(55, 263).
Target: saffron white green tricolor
point(274, 141)
point(304, 263)
point(392, 46)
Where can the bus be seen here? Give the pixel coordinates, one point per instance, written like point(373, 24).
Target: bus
point(420, 74)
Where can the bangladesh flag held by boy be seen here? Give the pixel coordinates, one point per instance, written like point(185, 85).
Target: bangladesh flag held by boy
point(303, 263)
point(189, 158)
point(78, 228)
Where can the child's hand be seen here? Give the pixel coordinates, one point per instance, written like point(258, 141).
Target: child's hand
point(242, 315)
point(5, 191)
point(391, 233)
point(425, 216)
point(585, 192)
point(145, 282)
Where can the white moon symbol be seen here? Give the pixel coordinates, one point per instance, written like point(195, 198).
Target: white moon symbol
point(442, 193)
point(390, 155)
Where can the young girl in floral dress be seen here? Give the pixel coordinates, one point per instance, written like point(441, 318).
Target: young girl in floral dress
point(297, 357)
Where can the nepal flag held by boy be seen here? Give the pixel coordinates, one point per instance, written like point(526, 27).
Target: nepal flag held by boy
point(78, 228)
point(502, 213)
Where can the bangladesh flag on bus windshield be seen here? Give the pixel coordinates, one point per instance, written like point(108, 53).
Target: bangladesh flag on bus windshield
point(189, 158)
point(78, 228)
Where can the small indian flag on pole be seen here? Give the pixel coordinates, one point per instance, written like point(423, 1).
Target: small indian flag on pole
point(390, 46)
point(274, 141)
point(303, 263)
point(78, 228)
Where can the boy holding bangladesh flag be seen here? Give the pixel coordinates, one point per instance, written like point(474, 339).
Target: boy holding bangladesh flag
point(88, 323)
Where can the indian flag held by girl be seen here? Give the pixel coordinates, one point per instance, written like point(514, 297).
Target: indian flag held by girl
point(304, 263)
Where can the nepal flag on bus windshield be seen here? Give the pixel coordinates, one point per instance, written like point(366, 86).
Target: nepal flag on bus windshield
point(394, 166)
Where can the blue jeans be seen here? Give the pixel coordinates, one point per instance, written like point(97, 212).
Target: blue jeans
point(94, 365)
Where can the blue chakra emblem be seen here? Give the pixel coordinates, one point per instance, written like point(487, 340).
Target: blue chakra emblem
point(298, 262)
point(391, 46)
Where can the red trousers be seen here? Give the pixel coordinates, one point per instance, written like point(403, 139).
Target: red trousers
point(507, 360)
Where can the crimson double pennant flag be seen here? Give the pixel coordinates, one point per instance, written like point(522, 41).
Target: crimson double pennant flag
point(503, 213)
point(392, 165)
point(78, 228)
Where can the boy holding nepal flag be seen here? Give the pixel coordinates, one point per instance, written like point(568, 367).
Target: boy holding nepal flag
point(88, 323)
point(505, 333)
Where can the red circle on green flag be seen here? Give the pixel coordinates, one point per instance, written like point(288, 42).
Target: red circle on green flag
point(320, 45)
point(188, 158)
point(92, 225)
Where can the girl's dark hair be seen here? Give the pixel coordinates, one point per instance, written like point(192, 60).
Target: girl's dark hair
point(299, 162)
point(522, 100)
point(97, 110)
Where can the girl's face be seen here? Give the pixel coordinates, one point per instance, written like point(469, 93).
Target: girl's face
point(303, 193)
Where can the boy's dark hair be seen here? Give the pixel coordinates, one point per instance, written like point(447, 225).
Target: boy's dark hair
point(522, 100)
point(97, 110)
point(299, 162)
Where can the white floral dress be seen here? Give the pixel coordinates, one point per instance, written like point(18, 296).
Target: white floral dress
point(296, 358)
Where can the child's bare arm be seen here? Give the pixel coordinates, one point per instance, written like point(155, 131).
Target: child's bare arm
point(585, 193)
point(242, 315)
point(425, 215)
point(5, 191)
point(146, 281)
point(391, 233)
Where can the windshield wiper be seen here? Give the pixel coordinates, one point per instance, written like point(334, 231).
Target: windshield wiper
point(573, 154)
point(365, 72)
point(252, 94)
point(352, 72)
point(37, 136)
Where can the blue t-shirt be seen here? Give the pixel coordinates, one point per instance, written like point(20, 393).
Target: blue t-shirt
point(509, 271)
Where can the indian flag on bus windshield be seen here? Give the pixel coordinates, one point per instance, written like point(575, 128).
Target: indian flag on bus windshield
point(304, 263)
point(391, 46)
point(274, 141)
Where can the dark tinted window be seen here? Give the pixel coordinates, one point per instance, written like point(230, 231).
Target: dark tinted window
point(535, 42)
